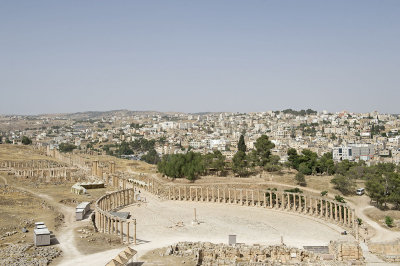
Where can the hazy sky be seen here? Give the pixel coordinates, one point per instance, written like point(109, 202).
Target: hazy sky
point(191, 56)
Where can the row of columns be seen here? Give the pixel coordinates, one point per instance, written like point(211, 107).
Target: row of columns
point(320, 207)
point(109, 224)
point(98, 170)
point(30, 164)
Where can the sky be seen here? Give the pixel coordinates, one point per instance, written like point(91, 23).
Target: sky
point(199, 56)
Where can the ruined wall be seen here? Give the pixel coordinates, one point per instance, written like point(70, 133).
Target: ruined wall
point(387, 251)
point(221, 254)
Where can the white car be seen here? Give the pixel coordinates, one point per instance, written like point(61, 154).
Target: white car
point(360, 191)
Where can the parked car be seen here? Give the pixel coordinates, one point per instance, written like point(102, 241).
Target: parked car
point(360, 191)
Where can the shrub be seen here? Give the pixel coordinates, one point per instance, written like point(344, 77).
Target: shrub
point(339, 198)
point(389, 221)
point(301, 180)
point(324, 193)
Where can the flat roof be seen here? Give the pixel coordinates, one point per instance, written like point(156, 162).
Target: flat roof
point(123, 215)
point(83, 205)
point(43, 231)
point(41, 227)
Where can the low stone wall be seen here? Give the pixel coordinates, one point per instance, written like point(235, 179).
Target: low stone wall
point(107, 223)
point(221, 254)
point(346, 251)
point(387, 251)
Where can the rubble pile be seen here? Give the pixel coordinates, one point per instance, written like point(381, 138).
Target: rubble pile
point(27, 254)
point(209, 254)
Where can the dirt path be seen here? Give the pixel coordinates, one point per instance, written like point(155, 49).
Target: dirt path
point(65, 236)
point(380, 234)
point(4, 179)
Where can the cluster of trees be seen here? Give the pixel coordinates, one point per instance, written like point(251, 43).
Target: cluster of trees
point(136, 126)
point(299, 113)
point(377, 129)
point(244, 163)
point(151, 157)
point(383, 184)
point(66, 147)
point(309, 163)
point(188, 165)
point(26, 140)
point(382, 181)
point(191, 165)
point(138, 146)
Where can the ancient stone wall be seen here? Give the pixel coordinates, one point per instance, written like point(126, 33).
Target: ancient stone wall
point(42, 170)
point(387, 251)
point(205, 253)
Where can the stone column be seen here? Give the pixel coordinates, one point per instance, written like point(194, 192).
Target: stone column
point(127, 232)
point(335, 208)
point(265, 200)
point(122, 231)
point(294, 202)
point(270, 199)
point(134, 231)
point(320, 208)
point(218, 194)
point(326, 209)
point(229, 195)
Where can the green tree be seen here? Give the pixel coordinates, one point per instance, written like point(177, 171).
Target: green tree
point(26, 140)
point(300, 179)
point(344, 184)
point(214, 161)
point(389, 221)
point(66, 147)
point(293, 158)
point(263, 150)
point(124, 149)
point(241, 144)
point(239, 164)
point(151, 157)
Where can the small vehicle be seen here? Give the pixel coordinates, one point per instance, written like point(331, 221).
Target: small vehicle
point(360, 191)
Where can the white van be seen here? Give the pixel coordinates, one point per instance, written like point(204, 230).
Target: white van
point(360, 191)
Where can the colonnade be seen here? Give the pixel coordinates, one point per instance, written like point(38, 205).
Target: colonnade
point(30, 164)
point(107, 223)
point(98, 170)
point(319, 207)
point(42, 169)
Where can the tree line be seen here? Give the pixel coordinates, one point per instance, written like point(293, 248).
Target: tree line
point(192, 164)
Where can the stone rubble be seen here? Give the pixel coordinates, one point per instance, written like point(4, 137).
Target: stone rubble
point(209, 254)
point(27, 255)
